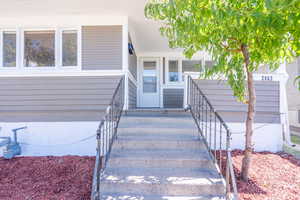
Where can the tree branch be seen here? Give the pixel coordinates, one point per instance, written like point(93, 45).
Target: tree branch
point(231, 50)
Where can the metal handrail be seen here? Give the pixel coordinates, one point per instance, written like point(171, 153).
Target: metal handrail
point(211, 127)
point(106, 134)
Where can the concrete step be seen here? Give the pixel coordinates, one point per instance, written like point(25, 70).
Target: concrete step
point(161, 153)
point(143, 124)
point(157, 122)
point(157, 113)
point(186, 175)
point(148, 137)
point(114, 196)
point(126, 143)
point(162, 181)
point(157, 131)
point(159, 158)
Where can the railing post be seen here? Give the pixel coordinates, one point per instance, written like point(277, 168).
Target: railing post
point(228, 189)
point(186, 90)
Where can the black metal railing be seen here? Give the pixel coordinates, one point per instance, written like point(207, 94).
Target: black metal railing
point(214, 132)
point(106, 134)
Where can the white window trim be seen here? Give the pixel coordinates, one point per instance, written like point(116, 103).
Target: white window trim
point(167, 78)
point(60, 64)
point(180, 60)
point(2, 31)
point(58, 50)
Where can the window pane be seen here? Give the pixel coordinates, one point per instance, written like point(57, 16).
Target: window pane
point(191, 65)
point(9, 49)
point(69, 50)
point(39, 49)
point(173, 71)
point(149, 77)
point(149, 84)
point(149, 68)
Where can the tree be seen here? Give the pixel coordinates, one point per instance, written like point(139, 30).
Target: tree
point(241, 36)
point(298, 80)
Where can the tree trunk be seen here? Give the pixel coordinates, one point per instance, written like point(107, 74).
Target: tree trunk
point(250, 116)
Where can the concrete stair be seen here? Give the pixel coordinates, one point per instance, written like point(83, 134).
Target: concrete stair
point(159, 155)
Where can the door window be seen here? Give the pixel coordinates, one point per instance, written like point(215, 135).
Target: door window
point(149, 77)
point(173, 71)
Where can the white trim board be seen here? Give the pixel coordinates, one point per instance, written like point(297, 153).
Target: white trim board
point(62, 20)
point(63, 73)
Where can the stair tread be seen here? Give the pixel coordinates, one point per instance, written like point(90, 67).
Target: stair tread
point(114, 196)
point(160, 154)
point(163, 173)
point(159, 137)
point(157, 131)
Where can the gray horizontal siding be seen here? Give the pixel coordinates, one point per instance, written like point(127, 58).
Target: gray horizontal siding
point(101, 47)
point(132, 95)
point(55, 98)
point(221, 97)
point(173, 98)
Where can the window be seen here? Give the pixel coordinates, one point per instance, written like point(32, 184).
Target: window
point(149, 77)
point(39, 48)
point(173, 71)
point(35, 49)
point(69, 48)
point(191, 66)
point(9, 49)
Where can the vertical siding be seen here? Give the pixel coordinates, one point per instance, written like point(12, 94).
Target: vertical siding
point(173, 98)
point(101, 47)
point(132, 95)
point(31, 99)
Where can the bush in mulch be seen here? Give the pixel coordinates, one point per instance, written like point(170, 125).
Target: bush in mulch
point(46, 178)
point(272, 176)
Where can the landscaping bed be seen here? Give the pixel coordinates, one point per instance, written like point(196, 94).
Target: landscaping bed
point(272, 177)
point(46, 178)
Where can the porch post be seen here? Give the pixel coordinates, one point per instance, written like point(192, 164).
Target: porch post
point(284, 109)
point(125, 63)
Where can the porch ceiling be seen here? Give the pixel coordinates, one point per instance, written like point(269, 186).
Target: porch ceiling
point(145, 34)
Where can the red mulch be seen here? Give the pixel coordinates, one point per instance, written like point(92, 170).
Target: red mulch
point(272, 177)
point(46, 178)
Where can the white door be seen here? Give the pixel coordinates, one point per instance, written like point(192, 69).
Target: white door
point(149, 83)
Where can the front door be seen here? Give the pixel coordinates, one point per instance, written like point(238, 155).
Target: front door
point(149, 90)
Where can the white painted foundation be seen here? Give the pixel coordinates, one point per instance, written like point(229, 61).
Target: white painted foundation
point(266, 137)
point(55, 138)
point(64, 138)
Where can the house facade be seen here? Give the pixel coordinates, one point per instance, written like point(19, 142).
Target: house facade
point(293, 93)
point(59, 66)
